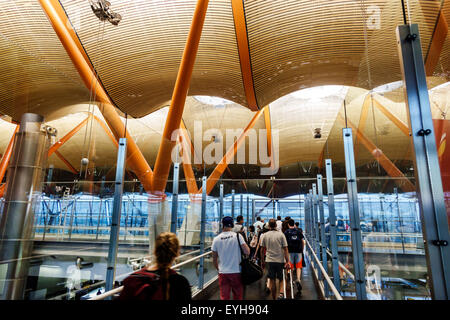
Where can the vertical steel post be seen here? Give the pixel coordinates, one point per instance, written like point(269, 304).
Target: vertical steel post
point(426, 162)
point(25, 173)
point(273, 208)
point(115, 219)
point(316, 220)
point(220, 207)
point(248, 212)
point(174, 218)
point(253, 211)
point(400, 224)
point(310, 222)
point(202, 234)
point(306, 216)
point(332, 217)
point(232, 204)
point(316, 226)
point(322, 230)
point(241, 205)
point(353, 206)
point(50, 173)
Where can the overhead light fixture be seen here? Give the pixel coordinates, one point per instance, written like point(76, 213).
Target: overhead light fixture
point(104, 13)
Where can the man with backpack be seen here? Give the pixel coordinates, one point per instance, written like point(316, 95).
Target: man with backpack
point(295, 240)
point(227, 259)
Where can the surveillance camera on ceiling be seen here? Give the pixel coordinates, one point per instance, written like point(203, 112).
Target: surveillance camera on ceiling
point(102, 10)
point(317, 134)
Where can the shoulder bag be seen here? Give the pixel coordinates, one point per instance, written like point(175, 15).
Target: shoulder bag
point(250, 271)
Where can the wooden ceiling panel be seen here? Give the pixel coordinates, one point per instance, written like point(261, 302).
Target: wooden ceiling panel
point(138, 60)
point(35, 72)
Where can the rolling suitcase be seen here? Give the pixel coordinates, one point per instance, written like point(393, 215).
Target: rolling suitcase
point(290, 282)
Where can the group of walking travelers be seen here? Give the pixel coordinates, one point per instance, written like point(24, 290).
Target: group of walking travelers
point(275, 246)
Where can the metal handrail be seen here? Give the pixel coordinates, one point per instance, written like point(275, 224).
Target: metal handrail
point(325, 274)
point(119, 289)
point(177, 258)
point(342, 266)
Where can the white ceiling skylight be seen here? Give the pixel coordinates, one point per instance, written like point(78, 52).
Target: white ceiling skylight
point(317, 93)
point(215, 101)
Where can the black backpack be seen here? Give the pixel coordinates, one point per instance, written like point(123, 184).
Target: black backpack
point(294, 238)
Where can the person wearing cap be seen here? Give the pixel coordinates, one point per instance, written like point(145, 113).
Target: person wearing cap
point(227, 259)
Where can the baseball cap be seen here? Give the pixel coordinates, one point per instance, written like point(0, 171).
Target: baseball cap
point(228, 222)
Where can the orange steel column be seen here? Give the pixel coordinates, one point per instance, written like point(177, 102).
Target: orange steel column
point(384, 161)
point(69, 135)
point(240, 28)
point(362, 121)
point(220, 168)
point(66, 162)
point(321, 155)
point(399, 123)
point(436, 45)
point(7, 155)
point(173, 120)
point(186, 144)
point(107, 131)
point(269, 132)
point(60, 22)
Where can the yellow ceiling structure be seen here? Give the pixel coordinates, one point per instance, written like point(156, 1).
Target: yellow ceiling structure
point(293, 44)
point(294, 117)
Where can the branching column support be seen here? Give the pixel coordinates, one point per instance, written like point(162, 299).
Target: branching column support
point(231, 152)
point(69, 40)
point(240, 28)
point(384, 161)
point(186, 150)
point(173, 121)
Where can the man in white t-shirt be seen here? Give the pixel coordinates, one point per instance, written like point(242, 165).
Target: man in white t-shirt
point(258, 224)
point(279, 223)
point(227, 259)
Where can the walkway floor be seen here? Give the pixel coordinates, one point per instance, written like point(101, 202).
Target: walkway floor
point(256, 291)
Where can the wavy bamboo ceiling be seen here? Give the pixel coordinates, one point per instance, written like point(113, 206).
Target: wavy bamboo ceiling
point(294, 117)
point(293, 44)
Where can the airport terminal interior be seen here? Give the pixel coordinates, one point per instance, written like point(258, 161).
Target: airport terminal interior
point(122, 119)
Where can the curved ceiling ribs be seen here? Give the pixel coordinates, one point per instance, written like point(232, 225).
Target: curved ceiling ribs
point(240, 27)
point(293, 45)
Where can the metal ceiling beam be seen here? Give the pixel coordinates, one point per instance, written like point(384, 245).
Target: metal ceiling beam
point(231, 152)
point(173, 120)
point(74, 49)
point(240, 27)
point(390, 168)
